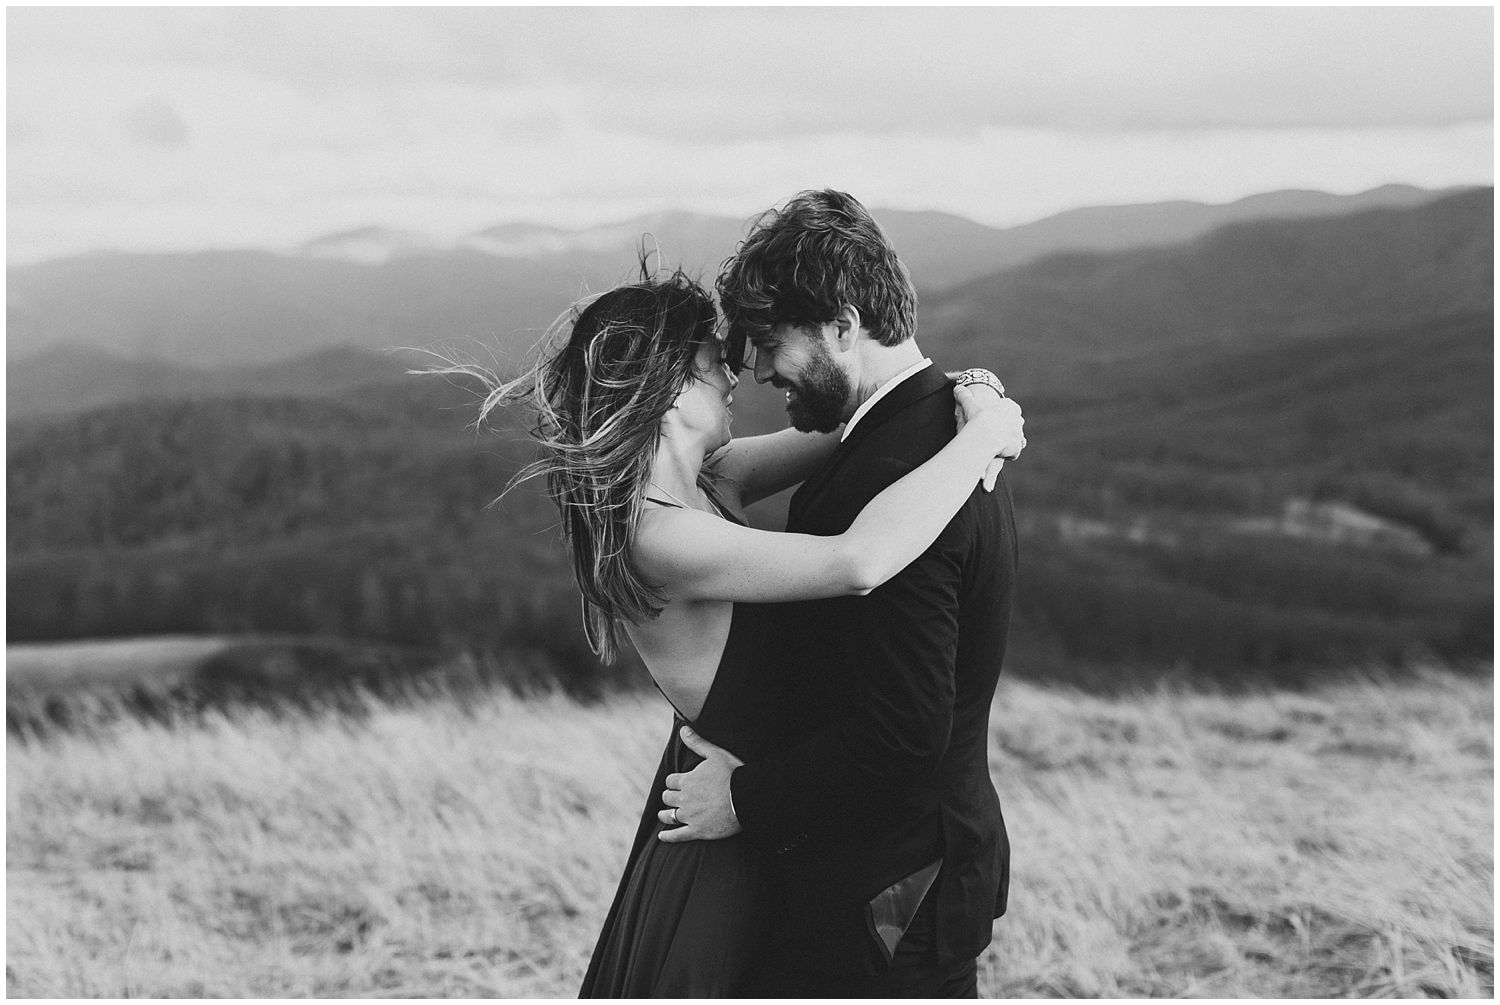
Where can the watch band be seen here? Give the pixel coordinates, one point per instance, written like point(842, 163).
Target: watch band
point(979, 375)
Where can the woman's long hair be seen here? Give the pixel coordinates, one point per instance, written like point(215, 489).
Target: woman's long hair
point(599, 399)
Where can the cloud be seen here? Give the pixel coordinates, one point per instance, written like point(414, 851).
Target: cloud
point(156, 122)
point(959, 71)
point(198, 198)
point(257, 125)
point(305, 47)
point(712, 73)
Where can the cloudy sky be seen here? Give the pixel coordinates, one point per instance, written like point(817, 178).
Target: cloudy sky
point(168, 128)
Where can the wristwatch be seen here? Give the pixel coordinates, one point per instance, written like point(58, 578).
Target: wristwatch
point(979, 375)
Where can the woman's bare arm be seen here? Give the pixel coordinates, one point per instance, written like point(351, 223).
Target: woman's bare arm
point(761, 466)
point(694, 556)
point(756, 467)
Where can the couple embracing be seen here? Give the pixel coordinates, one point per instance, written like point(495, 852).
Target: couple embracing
point(823, 821)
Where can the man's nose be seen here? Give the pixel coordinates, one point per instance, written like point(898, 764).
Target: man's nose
point(763, 370)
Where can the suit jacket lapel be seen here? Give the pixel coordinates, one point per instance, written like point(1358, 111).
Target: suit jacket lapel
point(911, 390)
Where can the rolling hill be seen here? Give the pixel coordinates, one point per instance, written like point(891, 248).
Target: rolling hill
point(1118, 228)
point(375, 288)
point(941, 249)
point(77, 378)
point(1260, 453)
point(1071, 319)
point(214, 309)
point(1158, 524)
point(358, 514)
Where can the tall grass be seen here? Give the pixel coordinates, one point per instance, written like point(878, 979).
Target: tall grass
point(1336, 842)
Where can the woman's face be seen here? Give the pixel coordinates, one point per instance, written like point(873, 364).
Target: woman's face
point(704, 404)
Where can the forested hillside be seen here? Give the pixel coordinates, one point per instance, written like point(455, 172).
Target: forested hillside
point(1156, 531)
point(78, 378)
point(1324, 498)
point(1262, 453)
point(361, 517)
point(1066, 322)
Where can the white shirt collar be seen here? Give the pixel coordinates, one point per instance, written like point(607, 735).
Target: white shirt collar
point(881, 392)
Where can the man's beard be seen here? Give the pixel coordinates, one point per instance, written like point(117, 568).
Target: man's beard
point(820, 396)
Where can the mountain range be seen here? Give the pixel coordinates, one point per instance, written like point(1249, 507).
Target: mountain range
point(377, 288)
point(77, 378)
point(1262, 450)
point(941, 249)
point(1067, 320)
point(1160, 524)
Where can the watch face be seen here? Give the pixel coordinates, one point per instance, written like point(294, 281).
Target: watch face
point(976, 375)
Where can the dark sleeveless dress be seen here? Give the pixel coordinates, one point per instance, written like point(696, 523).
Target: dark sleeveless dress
point(688, 918)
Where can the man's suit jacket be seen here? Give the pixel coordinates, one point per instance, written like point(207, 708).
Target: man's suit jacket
point(890, 694)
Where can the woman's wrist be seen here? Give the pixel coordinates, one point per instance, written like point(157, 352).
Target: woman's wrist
point(978, 375)
point(986, 427)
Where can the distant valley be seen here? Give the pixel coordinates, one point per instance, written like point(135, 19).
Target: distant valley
point(375, 288)
point(1256, 454)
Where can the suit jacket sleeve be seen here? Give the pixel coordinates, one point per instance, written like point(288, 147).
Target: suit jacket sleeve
point(902, 639)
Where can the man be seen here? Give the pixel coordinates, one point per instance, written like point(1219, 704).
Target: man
point(881, 821)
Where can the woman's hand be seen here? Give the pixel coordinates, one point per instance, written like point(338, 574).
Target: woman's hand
point(1001, 418)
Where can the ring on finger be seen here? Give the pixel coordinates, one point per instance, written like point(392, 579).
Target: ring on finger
point(675, 822)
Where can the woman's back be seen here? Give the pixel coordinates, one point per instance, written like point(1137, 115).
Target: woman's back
point(682, 648)
point(683, 645)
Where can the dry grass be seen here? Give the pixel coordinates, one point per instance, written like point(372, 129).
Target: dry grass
point(1332, 843)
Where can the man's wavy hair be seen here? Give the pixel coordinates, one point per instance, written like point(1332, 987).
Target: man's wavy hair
point(620, 360)
point(803, 262)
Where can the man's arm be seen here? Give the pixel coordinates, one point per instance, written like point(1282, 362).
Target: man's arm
point(761, 466)
point(903, 639)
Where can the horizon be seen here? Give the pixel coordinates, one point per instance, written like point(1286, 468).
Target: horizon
point(454, 239)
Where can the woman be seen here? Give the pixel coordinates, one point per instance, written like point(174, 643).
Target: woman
point(633, 413)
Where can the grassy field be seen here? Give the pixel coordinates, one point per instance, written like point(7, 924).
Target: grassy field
point(1336, 842)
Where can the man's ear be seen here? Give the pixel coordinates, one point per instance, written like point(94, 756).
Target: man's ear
point(846, 328)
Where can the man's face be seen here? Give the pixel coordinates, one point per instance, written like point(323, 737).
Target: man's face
point(798, 361)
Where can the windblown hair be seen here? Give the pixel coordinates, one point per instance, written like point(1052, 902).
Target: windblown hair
point(620, 360)
point(802, 263)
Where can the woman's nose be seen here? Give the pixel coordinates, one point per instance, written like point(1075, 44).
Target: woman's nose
point(734, 378)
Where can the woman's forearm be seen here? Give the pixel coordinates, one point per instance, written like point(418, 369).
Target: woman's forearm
point(696, 556)
point(764, 465)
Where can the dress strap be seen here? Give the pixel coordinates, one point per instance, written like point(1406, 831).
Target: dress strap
point(711, 491)
point(713, 500)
